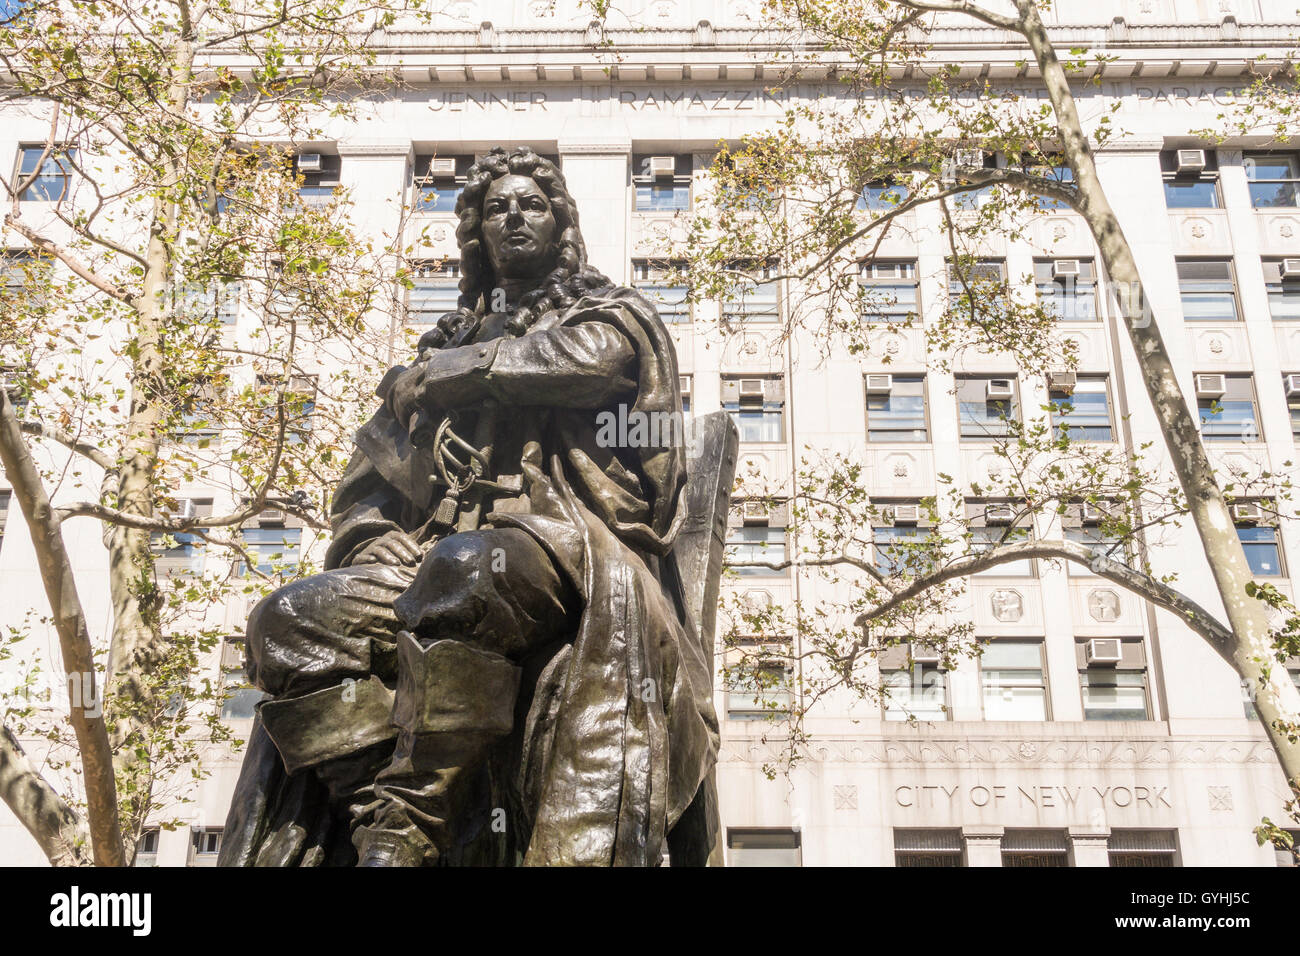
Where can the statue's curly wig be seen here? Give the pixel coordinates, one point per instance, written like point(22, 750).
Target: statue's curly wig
point(565, 284)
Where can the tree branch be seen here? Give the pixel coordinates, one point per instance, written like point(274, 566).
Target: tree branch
point(56, 827)
point(85, 712)
point(68, 440)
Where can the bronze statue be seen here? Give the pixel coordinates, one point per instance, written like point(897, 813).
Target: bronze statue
point(505, 660)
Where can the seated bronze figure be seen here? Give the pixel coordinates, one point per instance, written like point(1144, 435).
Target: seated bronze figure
point(502, 662)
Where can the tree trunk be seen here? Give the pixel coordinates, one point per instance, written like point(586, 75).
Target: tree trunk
point(1277, 700)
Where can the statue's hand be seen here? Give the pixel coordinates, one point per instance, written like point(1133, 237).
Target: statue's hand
point(407, 393)
point(394, 548)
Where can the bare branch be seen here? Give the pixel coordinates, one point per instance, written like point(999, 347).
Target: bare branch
point(58, 829)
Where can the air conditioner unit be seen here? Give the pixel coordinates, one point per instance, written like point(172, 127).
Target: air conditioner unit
point(442, 166)
point(310, 163)
point(184, 509)
point(970, 157)
point(739, 163)
point(1292, 385)
point(1191, 160)
point(923, 653)
point(755, 512)
point(1290, 268)
point(880, 384)
point(1104, 650)
point(999, 514)
point(999, 389)
point(1061, 383)
point(907, 514)
point(1247, 511)
point(663, 167)
point(232, 655)
point(684, 385)
point(751, 389)
point(1091, 514)
point(271, 516)
point(1211, 385)
point(1065, 269)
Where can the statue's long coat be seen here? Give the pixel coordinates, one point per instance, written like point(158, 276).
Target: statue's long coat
point(617, 728)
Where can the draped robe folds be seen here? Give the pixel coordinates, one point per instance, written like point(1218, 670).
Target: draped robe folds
point(617, 729)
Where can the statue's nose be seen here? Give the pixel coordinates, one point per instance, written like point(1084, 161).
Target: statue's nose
point(514, 214)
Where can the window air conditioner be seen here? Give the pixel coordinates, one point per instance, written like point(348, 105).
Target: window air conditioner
point(663, 167)
point(1104, 650)
point(907, 514)
point(880, 384)
point(310, 163)
point(1065, 269)
point(754, 512)
point(1061, 383)
point(970, 157)
point(1290, 268)
point(1292, 385)
point(684, 385)
point(271, 516)
point(924, 653)
point(751, 389)
point(999, 389)
point(442, 166)
point(1247, 511)
point(1090, 513)
point(999, 514)
point(1191, 160)
point(1211, 385)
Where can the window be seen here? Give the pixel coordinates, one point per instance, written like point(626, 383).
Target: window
point(319, 181)
point(1273, 179)
point(987, 407)
point(239, 697)
point(768, 846)
point(889, 291)
point(1114, 691)
point(972, 200)
point(1011, 678)
point(1149, 848)
point(205, 844)
point(1232, 416)
point(1035, 848)
point(757, 405)
point(931, 847)
point(273, 548)
point(1207, 291)
point(438, 181)
point(986, 280)
point(1100, 544)
point(1293, 405)
point(757, 691)
point(4, 515)
point(218, 301)
point(919, 693)
point(181, 552)
point(200, 423)
point(899, 414)
point(1192, 189)
point(900, 549)
point(1059, 171)
point(1283, 292)
point(990, 527)
point(664, 284)
point(1070, 297)
point(53, 173)
point(686, 385)
point(1084, 414)
point(755, 543)
point(756, 299)
point(882, 195)
point(296, 399)
point(23, 278)
point(434, 292)
point(146, 850)
point(1259, 541)
point(659, 188)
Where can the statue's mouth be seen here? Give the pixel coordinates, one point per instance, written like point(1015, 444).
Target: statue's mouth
point(518, 239)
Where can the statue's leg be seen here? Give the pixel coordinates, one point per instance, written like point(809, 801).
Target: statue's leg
point(481, 601)
point(324, 647)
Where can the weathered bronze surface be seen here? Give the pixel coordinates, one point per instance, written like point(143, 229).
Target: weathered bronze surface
point(508, 659)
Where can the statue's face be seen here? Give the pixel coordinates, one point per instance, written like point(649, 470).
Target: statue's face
point(519, 228)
